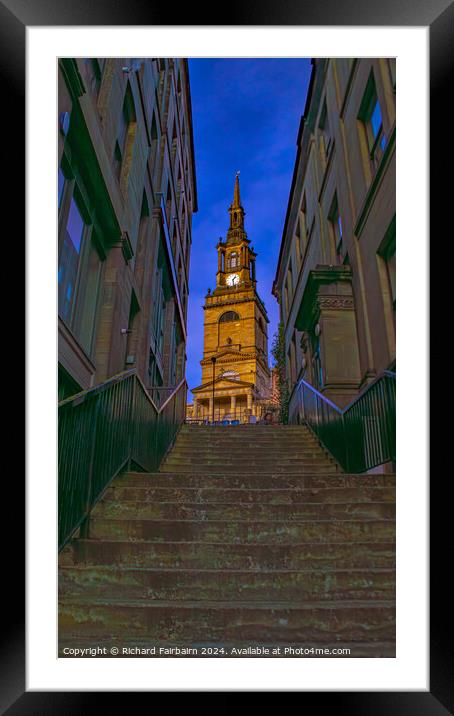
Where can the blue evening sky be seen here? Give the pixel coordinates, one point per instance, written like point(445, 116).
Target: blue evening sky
point(246, 114)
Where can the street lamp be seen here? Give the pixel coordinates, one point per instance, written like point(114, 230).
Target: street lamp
point(213, 360)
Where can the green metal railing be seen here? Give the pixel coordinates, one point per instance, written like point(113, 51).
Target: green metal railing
point(360, 436)
point(105, 430)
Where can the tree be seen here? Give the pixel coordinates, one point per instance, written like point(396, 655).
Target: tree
point(278, 353)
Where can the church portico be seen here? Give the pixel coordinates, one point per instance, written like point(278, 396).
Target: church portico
point(230, 403)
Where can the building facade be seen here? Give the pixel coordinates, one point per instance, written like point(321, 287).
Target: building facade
point(235, 373)
point(336, 275)
point(126, 195)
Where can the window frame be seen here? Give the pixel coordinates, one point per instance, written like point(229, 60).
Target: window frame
point(387, 251)
point(233, 316)
point(88, 243)
point(336, 229)
point(324, 130)
point(375, 141)
point(124, 136)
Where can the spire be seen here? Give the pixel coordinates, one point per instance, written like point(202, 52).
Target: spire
point(236, 232)
point(236, 192)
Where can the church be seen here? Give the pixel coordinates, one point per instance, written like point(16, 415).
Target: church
point(235, 373)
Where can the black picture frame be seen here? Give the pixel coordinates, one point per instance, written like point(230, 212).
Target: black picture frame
point(15, 16)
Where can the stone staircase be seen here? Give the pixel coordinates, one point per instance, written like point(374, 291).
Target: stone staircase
point(247, 536)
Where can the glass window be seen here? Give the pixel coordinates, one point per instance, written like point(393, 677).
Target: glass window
point(233, 260)
point(61, 185)
point(326, 141)
point(371, 116)
point(69, 260)
point(88, 299)
point(173, 354)
point(159, 312)
point(127, 116)
point(387, 253)
point(75, 225)
point(154, 378)
point(336, 229)
point(229, 316)
point(392, 71)
point(93, 72)
point(391, 268)
point(317, 362)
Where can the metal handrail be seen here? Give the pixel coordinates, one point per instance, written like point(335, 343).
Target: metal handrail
point(360, 436)
point(368, 387)
point(79, 397)
point(104, 430)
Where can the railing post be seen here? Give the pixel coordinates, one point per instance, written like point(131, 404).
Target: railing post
point(345, 441)
point(84, 527)
point(131, 426)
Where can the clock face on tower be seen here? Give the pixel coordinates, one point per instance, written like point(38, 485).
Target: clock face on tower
point(232, 279)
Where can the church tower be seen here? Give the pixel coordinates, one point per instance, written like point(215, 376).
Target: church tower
point(235, 331)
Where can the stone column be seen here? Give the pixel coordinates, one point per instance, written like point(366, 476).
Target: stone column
point(196, 408)
point(210, 409)
point(243, 256)
point(233, 405)
point(327, 316)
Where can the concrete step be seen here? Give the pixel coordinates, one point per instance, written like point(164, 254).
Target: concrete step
point(265, 480)
point(221, 621)
point(255, 445)
point(278, 447)
point(233, 585)
point(261, 496)
point(237, 462)
point(137, 648)
point(134, 510)
point(272, 532)
point(250, 441)
point(245, 427)
point(245, 435)
point(278, 468)
point(282, 453)
point(217, 555)
point(246, 535)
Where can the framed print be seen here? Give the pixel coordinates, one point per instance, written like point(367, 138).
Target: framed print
point(227, 500)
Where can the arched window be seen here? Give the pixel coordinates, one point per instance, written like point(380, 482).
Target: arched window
point(229, 316)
